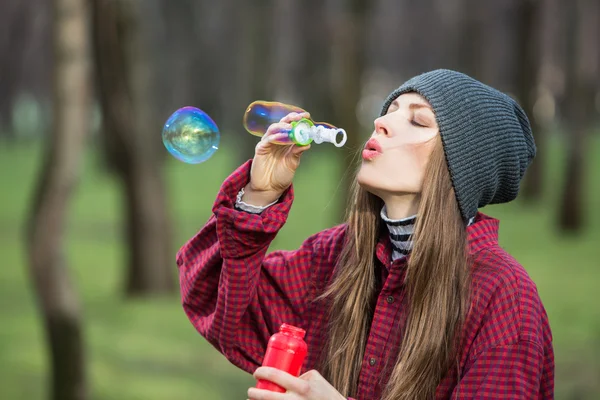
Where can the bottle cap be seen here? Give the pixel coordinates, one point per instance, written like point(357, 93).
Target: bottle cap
point(301, 131)
point(294, 331)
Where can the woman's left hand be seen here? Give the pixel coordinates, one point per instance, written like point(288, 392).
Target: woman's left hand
point(308, 386)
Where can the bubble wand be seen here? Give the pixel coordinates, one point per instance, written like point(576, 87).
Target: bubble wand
point(261, 114)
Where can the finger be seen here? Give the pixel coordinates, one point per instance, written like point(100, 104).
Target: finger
point(261, 394)
point(289, 117)
point(278, 127)
point(263, 148)
point(280, 137)
point(295, 116)
point(297, 150)
point(281, 378)
point(277, 150)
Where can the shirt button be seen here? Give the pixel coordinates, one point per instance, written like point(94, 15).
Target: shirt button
point(372, 361)
point(390, 299)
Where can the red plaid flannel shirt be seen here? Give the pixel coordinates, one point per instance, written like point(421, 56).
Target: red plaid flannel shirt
point(236, 295)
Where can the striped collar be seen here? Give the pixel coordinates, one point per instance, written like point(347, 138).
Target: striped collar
point(401, 231)
point(482, 231)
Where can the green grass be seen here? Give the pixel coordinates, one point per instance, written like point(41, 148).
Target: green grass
point(147, 349)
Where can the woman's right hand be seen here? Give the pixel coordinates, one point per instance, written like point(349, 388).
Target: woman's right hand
point(274, 165)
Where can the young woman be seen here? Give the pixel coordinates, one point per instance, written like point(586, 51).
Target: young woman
point(412, 297)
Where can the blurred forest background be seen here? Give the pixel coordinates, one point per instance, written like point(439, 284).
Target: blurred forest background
point(94, 208)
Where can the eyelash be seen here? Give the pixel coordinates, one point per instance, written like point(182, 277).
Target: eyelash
point(415, 123)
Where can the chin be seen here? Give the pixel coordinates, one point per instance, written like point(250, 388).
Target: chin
point(375, 183)
point(368, 181)
point(363, 176)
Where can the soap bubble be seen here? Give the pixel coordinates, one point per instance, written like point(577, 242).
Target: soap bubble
point(261, 114)
point(190, 135)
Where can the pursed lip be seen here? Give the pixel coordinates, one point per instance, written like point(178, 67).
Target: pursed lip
point(374, 145)
point(372, 149)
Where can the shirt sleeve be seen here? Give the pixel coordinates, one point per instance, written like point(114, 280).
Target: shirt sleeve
point(504, 372)
point(234, 293)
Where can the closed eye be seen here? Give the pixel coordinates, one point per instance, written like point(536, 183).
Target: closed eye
point(415, 123)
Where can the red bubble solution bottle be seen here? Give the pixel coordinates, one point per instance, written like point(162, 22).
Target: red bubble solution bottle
point(286, 351)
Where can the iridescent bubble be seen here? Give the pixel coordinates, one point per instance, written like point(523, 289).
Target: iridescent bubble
point(190, 135)
point(261, 114)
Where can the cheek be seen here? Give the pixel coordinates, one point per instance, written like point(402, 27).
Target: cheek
point(421, 153)
point(410, 164)
point(399, 170)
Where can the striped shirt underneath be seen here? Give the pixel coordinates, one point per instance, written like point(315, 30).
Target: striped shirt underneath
point(401, 231)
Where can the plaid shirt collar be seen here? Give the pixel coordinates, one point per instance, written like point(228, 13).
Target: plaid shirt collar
point(482, 233)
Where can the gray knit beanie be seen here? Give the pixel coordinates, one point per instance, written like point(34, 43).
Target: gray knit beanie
point(486, 136)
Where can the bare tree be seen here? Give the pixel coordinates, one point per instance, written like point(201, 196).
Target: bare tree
point(348, 65)
point(13, 28)
point(125, 84)
point(470, 47)
point(287, 31)
point(180, 36)
point(581, 72)
point(314, 47)
point(189, 44)
point(528, 65)
point(57, 179)
point(253, 61)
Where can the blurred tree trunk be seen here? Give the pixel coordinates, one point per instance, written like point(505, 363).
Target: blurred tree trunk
point(349, 48)
point(285, 55)
point(208, 58)
point(470, 47)
point(13, 28)
point(56, 182)
point(131, 129)
point(581, 71)
point(180, 36)
point(257, 51)
point(528, 58)
point(254, 67)
point(232, 96)
point(314, 48)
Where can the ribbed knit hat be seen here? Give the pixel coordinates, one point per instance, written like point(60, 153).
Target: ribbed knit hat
point(486, 136)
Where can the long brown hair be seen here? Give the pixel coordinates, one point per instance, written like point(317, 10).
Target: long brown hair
point(437, 284)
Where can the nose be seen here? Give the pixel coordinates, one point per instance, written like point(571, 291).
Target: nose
point(380, 127)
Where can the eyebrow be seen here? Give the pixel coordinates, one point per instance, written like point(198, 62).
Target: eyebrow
point(412, 106)
point(416, 106)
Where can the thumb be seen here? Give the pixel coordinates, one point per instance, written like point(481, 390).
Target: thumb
point(298, 150)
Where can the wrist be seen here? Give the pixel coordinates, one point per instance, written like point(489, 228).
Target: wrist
point(259, 198)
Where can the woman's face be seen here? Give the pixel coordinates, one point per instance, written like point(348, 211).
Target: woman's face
point(395, 157)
